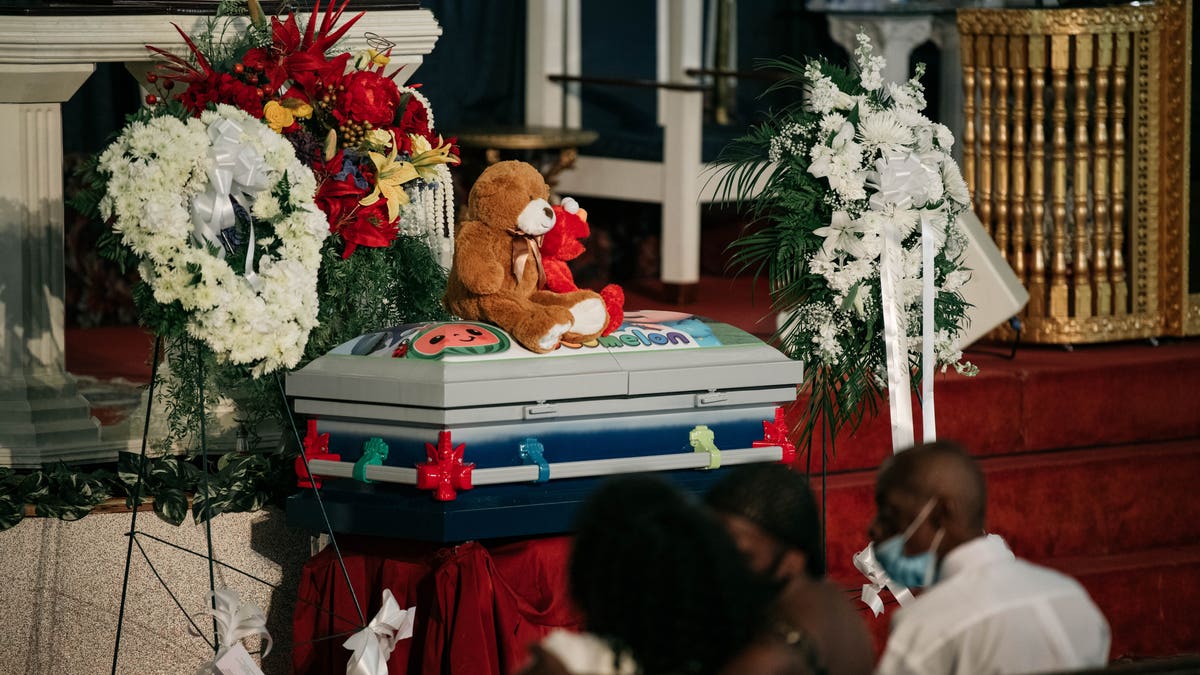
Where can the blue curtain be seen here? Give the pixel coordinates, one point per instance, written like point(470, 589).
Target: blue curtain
point(476, 73)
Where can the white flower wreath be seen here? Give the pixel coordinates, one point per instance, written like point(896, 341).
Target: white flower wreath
point(169, 183)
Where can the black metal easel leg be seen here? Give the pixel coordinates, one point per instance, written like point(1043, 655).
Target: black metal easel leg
point(320, 504)
point(212, 579)
point(137, 496)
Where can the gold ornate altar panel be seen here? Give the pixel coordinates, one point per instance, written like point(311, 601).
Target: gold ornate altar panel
point(1075, 149)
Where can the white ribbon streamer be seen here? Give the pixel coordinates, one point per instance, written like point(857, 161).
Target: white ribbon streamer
point(928, 251)
point(878, 579)
point(895, 342)
point(236, 620)
point(237, 170)
point(374, 644)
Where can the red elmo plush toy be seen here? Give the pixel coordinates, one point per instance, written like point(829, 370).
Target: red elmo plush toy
point(562, 244)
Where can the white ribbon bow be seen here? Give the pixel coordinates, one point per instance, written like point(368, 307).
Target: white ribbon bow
point(236, 620)
point(900, 179)
point(237, 170)
point(878, 579)
point(374, 644)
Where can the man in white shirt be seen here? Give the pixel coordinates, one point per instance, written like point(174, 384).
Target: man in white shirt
point(985, 611)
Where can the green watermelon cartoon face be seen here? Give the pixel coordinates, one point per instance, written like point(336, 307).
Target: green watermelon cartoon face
point(459, 337)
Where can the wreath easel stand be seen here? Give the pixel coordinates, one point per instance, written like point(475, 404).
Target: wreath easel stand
point(133, 533)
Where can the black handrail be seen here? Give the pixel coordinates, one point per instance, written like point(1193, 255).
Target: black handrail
point(626, 82)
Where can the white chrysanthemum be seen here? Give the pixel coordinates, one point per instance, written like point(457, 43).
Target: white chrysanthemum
point(904, 221)
point(956, 280)
point(266, 207)
point(947, 348)
point(945, 139)
point(832, 123)
point(155, 169)
point(883, 129)
point(956, 187)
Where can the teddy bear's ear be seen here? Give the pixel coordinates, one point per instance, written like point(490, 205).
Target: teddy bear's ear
point(502, 190)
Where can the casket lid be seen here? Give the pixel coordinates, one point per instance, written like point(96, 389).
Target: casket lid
point(465, 364)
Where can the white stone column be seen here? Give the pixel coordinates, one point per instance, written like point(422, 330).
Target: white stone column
point(42, 416)
point(894, 37)
point(681, 115)
point(544, 55)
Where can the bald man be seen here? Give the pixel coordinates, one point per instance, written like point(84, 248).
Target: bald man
point(984, 611)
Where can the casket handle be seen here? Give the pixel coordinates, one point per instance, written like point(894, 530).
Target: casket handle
point(542, 409)
point(711, 398)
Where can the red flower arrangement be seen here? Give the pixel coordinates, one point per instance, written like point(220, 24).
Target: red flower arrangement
point(368, 140)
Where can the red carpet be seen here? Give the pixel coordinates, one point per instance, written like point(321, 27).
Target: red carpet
point(1092, 458)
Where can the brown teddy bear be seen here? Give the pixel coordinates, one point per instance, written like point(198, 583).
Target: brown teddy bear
point(497, 275)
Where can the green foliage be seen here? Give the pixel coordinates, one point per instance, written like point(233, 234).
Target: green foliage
point(167, 479)
point(375, 288)
point(58, 492)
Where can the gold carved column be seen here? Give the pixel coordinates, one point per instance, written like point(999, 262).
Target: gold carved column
point(1075, 148)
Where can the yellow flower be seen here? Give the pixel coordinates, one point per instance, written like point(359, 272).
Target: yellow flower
point(370, 57)
point(390, 177)
point(280, 115)
point(299, 108)
point(425, 157)
point(277, 117)
point(380, 139)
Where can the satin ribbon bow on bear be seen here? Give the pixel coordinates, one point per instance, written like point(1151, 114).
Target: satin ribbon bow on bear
point(524, 247)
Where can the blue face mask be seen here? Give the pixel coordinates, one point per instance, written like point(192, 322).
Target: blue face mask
point(910, 570)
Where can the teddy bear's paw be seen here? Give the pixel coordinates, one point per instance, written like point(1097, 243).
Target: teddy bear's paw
point(550, 340)
point(589, 316)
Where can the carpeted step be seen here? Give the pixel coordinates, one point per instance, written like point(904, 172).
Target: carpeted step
point(1149, 598)
point(1089, 502)
point(1049, 399)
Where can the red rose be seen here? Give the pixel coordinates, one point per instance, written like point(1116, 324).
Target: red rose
point(416, 119)
point(369, 97)
point(222, 88)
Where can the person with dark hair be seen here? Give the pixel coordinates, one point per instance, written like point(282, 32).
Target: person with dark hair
point(772, 515)
point(984, 610)
point(662, 586)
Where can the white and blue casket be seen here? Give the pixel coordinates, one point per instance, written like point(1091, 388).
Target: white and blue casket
point(451, 431)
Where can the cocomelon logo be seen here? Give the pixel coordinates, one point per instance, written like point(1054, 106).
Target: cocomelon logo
point(654, 329)
point(638, 338)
